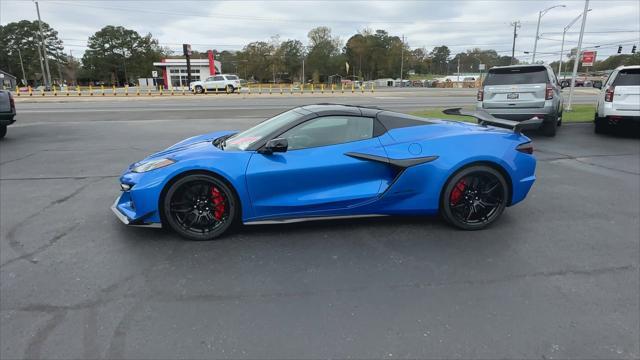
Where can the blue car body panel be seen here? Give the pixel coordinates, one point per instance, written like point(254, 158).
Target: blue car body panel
point(356, 178)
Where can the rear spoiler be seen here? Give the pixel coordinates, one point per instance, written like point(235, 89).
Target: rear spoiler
point(484, 119)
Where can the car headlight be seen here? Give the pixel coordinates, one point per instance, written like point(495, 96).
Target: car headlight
point(152, 165)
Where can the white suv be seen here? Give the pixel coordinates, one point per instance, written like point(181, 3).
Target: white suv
point(619, 99)
point(221, 82)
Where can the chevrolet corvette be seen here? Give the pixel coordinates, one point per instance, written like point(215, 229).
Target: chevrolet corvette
point(327, 161)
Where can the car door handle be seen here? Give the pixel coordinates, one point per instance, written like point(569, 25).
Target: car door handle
point(400, 163)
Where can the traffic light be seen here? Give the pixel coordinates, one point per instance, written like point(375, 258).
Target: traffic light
point(633, 49)
point(620, 49)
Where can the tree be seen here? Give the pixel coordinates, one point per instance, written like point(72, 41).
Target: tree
point(257, 58)
point(290, 52)
point(323, 51)
point(119, 55)
point(23, 38)
point(440, 57)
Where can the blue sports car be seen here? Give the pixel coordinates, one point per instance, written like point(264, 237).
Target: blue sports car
point(328, 161)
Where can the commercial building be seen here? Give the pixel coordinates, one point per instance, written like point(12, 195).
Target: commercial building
point(174, 71)
point(7, 81)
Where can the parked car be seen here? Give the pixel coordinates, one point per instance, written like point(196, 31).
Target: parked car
point(7, 111)
point(619, 100)
point(325, 161)
point(520, 92)
point(221, 82)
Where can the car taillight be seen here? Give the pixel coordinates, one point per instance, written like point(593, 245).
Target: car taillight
point(549, 93)
point(480, 95)
point(608, 95)
point(526, 148)
point(12, 102)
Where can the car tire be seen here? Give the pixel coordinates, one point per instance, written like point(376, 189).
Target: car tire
point(200, 207)
point(599, 125)
point(3, 131)
point(468, 189)
point(560, 118)
point(549, 126)
point(229, 89)
point(199, 89)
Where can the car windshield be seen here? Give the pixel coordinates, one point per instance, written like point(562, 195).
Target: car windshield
point(517, 75)
point(243, 140)
point(628, 77)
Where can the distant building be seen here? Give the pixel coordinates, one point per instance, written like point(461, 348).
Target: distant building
point(174, 71)
point(7, 81)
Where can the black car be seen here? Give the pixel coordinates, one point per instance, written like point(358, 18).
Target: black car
point(7, 111)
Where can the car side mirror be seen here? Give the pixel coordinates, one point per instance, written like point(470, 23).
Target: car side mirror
point(276, 145)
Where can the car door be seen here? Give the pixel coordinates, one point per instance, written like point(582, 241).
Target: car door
point(314, 176)
point(218, 82)
point(208, 83)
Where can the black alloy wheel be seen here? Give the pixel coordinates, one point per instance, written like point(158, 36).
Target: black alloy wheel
point(199, 207)
point(474, 198)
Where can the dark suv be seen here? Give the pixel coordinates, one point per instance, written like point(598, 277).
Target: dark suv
point(7, 111)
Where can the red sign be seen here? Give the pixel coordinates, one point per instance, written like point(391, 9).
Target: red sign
point(588, 58)
point(212, 64)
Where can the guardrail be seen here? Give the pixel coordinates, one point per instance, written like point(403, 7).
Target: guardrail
point(256, 89)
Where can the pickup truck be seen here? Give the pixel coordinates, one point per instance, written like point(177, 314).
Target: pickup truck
point(7, 111)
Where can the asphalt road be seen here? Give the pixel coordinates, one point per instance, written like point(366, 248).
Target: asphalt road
point(556, 277)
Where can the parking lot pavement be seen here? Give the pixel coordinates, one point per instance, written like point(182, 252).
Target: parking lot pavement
point(556, 277)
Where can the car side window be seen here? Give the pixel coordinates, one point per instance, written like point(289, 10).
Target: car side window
point(218, 78)
point(209, 78)
point(329, 130)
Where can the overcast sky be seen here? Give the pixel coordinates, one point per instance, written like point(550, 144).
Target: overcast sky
point(230, 25)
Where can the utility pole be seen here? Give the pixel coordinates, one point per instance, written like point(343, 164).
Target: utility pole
point(458, 79)
point(577, 59)
point(401, 60)
point(564, 32)
point(24, 75)
point(516, 25)
point(44, 76)
point(540, 15)
point(47, 80)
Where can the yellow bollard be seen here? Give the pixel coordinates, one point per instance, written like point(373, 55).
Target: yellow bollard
point(67, 90)
point(362, 87)
point(353, 87)
point(183, 92)
point(270, 88)
point(372, 87)
point(126, 90)
point(102, 89)
point(291, 89)
point(161, 87)
point(259, 89)
point(113, 87)
point(342, 87)
point(248, 89)
point(312, 86)
point(333, 87)
point(78, 90)
point(30, 91)
point(90, 90)
point(149, 91)
point(42, 91)
point(138, 90)
point(172, 91)
point(321, 88)
point(301, 88)
point(55, 92)
point(17, 90)
point(280, 89)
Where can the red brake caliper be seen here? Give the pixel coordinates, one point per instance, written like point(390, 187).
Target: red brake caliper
point(457, 192)
point(218, 203)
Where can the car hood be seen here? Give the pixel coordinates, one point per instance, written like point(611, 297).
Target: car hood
point(187, 146)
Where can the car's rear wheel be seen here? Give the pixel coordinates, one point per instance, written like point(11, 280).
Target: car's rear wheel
point(600, 125)
point(3, 131)
point(549, 126)
point(474, 197)
point(229, 89)
point(200, 207)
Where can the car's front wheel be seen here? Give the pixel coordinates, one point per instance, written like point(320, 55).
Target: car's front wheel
point(550, 125)
point(3, 131)
point(474, 197)
point(199, 207)
point(199, 89)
